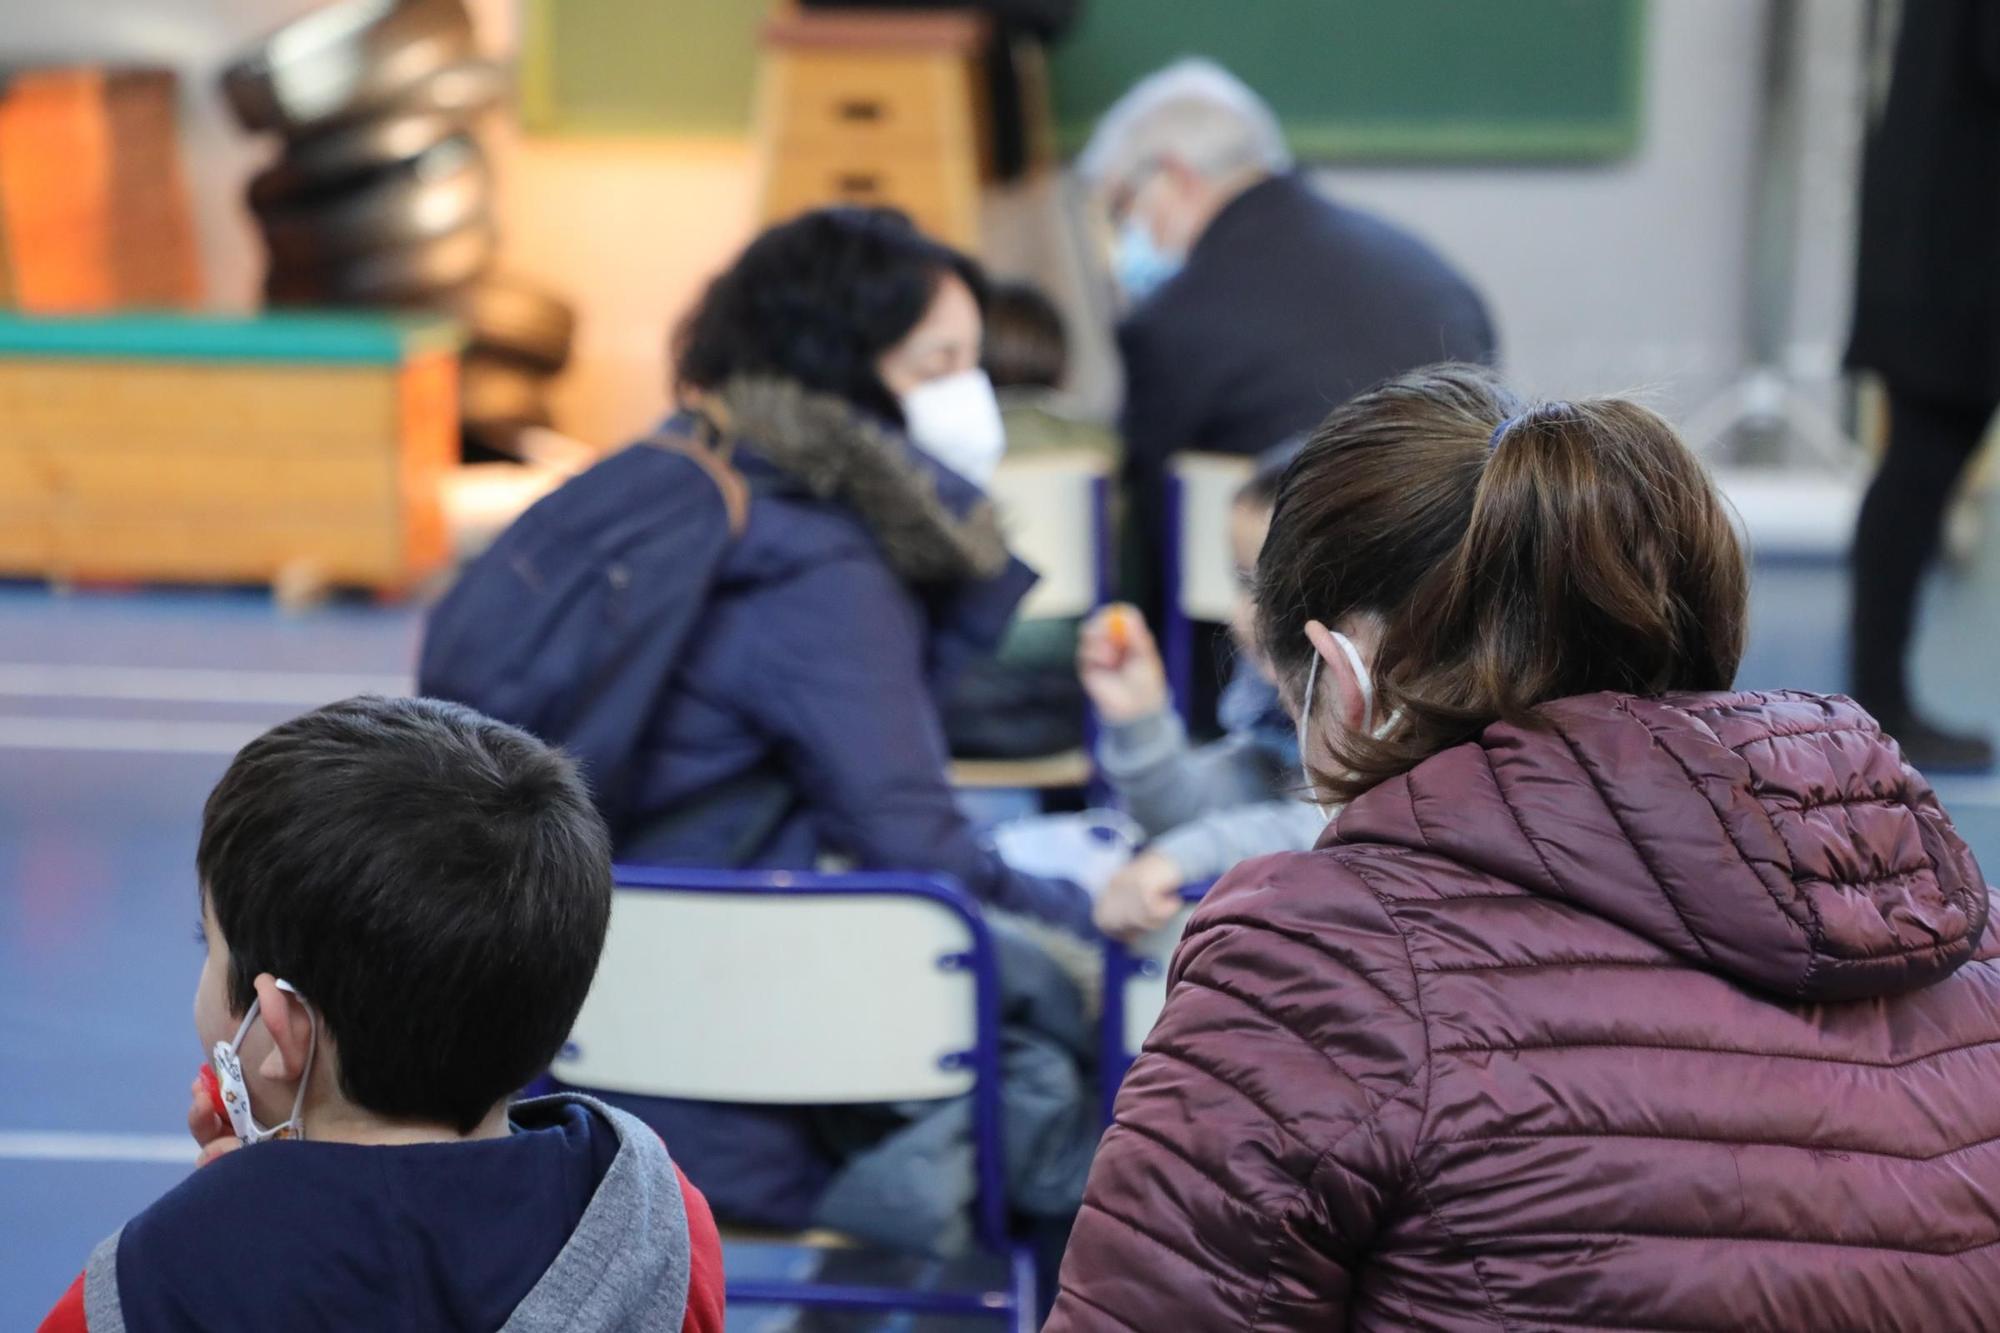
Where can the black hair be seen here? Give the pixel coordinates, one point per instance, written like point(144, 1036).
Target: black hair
point(436, 885)
point(1026, 344)
point(818, 300)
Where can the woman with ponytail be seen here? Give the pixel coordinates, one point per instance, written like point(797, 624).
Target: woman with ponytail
point(1612, 999)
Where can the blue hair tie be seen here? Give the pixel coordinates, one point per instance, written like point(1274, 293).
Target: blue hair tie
point(1556, 404)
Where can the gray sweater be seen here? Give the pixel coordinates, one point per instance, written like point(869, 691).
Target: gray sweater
point(1206, 808)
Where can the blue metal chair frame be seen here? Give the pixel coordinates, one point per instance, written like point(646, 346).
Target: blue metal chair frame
point(1114, 1058)
point(1017, 1301)
point(1177, 631)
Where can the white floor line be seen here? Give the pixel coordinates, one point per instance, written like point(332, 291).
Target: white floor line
point(59, 1146)
point(191, 684)
point(125, 735)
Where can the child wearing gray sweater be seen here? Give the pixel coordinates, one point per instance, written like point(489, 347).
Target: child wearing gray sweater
point(1204, 808)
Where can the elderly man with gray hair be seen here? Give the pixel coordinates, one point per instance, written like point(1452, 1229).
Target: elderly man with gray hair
point(1254, 303)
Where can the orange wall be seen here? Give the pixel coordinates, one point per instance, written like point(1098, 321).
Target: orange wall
point(632, 230)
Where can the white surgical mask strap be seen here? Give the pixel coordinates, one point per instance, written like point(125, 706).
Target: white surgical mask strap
point(230, 1071)
point(1362, 678)
point(243, 1028)
point(1305, 731)
point(297, 1121)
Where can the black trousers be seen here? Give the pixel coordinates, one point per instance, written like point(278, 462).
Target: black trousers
point(1902, 519)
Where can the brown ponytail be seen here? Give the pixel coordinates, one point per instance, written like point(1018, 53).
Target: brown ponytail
point(1580, 548)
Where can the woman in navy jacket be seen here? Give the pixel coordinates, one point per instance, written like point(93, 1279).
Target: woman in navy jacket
point(801, 728)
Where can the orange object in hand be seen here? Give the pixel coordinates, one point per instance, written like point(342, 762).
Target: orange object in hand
point(1118, 624)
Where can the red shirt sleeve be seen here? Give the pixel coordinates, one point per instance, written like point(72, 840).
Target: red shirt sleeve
point(705, 1282)
point(67, 1317)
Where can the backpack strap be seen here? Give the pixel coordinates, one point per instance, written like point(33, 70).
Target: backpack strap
point(707, 451)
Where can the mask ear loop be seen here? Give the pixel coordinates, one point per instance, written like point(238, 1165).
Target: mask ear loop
point(1305, 732)
point(1362, 678)
point(296, 1123)
point(236, 1091)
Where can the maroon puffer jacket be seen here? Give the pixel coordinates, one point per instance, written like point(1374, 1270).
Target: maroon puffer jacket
point(1673, 1015)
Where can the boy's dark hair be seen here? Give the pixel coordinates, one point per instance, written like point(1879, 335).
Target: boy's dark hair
point(435, 883)
point(1026, 344)
point(818, 300)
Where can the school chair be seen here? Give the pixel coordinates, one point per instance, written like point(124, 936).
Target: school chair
point(1135, 990)
point(1200, 574)
point(723, 986)
point(1055, 508)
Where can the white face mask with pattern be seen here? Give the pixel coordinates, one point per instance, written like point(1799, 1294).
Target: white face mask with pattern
point(956, 420)
point(227, 1057)
point(1362, 678)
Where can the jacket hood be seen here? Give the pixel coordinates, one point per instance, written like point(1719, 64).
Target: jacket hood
point(934, 527)
point(1777, 839)
point(573, 1222)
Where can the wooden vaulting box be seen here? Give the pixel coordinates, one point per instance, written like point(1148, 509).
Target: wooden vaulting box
point(875, 107)
point(199, 449)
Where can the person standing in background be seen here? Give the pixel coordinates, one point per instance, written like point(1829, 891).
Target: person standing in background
point(1254, 303)
point(1927, 320)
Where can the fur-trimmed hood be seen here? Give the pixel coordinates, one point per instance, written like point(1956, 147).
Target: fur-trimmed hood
point(934, 527)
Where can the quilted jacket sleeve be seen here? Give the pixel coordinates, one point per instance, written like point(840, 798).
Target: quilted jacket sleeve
point(1269, 1122)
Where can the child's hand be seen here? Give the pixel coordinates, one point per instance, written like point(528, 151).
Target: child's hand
point(1120, 666)
point(1141, 897)
point(210, 1127)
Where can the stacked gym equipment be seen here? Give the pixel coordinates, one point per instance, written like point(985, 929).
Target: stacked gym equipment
point(382, 195)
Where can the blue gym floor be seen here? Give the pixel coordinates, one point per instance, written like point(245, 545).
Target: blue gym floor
point(117, 712)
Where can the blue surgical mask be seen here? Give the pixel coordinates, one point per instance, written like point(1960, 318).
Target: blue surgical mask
point(1139, 264)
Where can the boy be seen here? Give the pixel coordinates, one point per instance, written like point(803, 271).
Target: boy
point(403, 903)
point(1205, 808)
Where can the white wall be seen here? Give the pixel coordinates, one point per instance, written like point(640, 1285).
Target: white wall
point(1632, 274)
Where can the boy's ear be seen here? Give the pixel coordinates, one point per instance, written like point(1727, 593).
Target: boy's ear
point(290, 1026)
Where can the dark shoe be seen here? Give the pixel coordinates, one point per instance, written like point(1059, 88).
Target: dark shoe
point(1930, 749)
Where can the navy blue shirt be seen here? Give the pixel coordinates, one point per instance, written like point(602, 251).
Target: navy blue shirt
point(307, 1236)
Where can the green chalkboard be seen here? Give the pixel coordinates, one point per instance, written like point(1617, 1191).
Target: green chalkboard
point(1412, 79)
point(1427, 79)
point(639, 66)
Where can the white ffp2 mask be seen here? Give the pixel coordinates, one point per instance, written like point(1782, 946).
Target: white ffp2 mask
point(956, 420)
